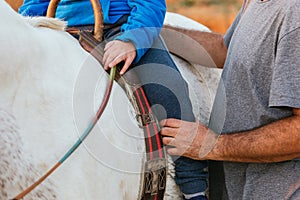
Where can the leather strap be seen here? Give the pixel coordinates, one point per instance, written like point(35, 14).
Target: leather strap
point(155, 168)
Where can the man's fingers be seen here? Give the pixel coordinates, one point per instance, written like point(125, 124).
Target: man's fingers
point(168, 132)
point(174, 152)
point(168, 140)
point(175, 123)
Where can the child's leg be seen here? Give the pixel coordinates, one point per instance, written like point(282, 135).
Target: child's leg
point(167, 93)
point(191, 177)
point(167, 90)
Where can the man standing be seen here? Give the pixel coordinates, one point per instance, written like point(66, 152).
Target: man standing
point(257, 106)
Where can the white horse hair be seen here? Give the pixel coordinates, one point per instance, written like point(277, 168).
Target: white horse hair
point(52, 23)
point(50, 88)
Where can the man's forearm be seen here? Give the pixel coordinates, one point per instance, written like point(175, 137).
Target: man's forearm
point(212, 43)
point(275, 142)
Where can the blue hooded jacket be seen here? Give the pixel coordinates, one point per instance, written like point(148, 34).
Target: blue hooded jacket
point(142, 28)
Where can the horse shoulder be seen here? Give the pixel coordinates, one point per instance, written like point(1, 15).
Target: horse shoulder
point(16, 171)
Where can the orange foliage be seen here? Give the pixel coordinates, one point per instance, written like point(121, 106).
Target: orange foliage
point(217, 17)
point(15, 4)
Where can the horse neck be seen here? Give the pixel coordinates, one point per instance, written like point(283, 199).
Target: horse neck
point(15, 49)
point(15, 36)
point(37, 61)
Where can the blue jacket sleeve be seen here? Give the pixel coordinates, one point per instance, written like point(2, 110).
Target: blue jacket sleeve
point(143, 25)
point(34, 7)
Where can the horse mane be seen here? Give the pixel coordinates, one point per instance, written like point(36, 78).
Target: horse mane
point(52, 23)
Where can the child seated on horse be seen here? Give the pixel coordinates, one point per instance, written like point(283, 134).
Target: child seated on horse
point(132, 28)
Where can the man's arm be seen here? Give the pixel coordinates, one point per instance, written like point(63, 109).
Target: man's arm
point(275, 142)
point(200, 47)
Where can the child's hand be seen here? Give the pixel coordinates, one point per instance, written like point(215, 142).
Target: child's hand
point(117, 51)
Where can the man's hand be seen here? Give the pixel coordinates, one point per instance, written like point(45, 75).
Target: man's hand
point(190, 139)
point(117, 51)
point(274, 142)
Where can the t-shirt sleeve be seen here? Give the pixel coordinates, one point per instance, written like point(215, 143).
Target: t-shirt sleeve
point(285, 86)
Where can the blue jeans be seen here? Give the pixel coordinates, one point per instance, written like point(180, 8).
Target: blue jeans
point(167, 93)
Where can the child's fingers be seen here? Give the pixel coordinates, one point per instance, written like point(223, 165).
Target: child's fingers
point(127, 64)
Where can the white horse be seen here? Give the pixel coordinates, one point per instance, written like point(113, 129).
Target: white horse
point(50, 88)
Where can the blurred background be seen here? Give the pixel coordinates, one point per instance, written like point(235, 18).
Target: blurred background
point(215, 14)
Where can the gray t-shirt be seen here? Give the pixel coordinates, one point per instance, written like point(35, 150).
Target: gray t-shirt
point(260, 84)
point(261, 76)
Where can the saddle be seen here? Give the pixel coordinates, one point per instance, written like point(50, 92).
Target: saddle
point(155, 167)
